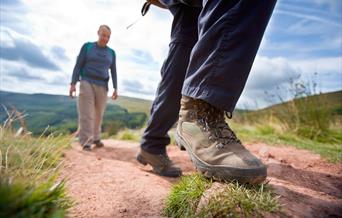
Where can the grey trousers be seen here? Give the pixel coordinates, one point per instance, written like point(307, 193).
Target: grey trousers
point(91, 105)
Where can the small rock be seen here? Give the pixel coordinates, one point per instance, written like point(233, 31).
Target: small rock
point(270, 156)
point(263, 151)
point(123, 210)
point(215, 188)
point(294, 166)
point(272, 161)
point(283, 161)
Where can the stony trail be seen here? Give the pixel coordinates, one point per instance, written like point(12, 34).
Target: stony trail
point(108, 182)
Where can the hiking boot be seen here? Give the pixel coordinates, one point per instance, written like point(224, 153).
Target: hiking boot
point(98, 143)
point(160, 163)
point(87, 147)
point(213, 147)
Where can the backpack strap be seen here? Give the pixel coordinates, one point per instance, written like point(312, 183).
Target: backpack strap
point(88, 45)
point(111, 51)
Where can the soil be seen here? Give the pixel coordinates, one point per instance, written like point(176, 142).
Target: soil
point(109, 182)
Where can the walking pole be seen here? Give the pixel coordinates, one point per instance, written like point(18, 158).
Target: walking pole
point(144, 10)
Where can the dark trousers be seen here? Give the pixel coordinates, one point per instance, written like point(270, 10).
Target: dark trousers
point(165, 107)
point(229, 35)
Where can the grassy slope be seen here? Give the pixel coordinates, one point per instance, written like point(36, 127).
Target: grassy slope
point(270, 135)
point(38, 101)
point(29, 170)
point(248, 131)
point(263, 125)
point(133, 104)
point(42, 100)
point(60, 112)
point(332, 101)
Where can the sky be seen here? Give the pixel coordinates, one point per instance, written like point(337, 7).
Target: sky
point(40, 40)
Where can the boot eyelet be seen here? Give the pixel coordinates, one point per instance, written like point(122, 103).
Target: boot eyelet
point(220, 146)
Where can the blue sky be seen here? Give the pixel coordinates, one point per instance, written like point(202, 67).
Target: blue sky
point(40, 40)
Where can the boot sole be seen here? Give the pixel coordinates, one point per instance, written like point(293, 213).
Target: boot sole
point(86, 148)
point(223, 173)
point(144, 162)
point(141, 160)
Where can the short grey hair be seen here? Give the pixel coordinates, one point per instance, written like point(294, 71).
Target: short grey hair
point(105, 26)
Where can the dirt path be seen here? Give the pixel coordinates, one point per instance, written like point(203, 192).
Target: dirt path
point(108, 182)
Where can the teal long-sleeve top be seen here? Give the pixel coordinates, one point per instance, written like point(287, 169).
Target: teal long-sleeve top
point(93, 64)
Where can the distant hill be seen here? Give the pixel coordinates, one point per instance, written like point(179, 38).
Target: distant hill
point(330, 100)
point(133, 104)
point(60, 112)
point(313, 116)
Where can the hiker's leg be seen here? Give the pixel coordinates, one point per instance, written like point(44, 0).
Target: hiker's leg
point(229, 36)
point(165, 107)
point(230, 33)
point(86, 112)
point(100, 107)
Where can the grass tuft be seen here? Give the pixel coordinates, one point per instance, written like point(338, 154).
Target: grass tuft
point(229, 200)
point(235, 200)
point(29, 184)
point(185, 196)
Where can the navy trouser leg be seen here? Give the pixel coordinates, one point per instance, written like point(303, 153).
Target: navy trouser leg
point(165, 107)
point(230, 33)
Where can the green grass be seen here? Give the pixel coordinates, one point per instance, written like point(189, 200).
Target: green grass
point(26, 200)
point(60, 112)
point(29, 185)
point(331, 101)
point(133, 104)
point(233, 200)
point(184, 196)
point(311, 116)
point(275, 136)
point(129, 135)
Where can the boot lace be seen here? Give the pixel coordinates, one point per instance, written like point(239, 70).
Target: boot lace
point(213, 121)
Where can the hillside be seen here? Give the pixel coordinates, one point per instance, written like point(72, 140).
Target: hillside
point(60, 112)
point(331, 101)
point(321, 109)
point(133, 104)
point(21, 99)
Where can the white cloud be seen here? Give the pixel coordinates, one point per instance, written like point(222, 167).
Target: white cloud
point(274, 75)
point(25, 79)
point(334, 5)
point(266, 74)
